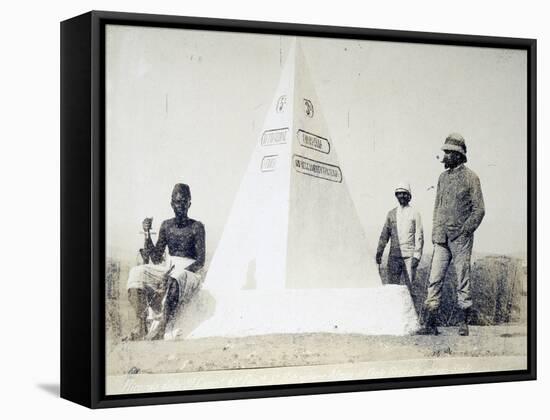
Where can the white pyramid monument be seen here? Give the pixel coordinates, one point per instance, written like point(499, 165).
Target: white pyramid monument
point(293, 255)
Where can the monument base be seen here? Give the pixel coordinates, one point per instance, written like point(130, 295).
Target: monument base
point(384, 310)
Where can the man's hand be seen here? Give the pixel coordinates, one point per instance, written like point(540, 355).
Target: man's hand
point(147, 224)
point(415, 262)
point(461, 233)
point(378, 259)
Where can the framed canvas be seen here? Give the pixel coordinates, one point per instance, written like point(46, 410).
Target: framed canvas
point(256, 209)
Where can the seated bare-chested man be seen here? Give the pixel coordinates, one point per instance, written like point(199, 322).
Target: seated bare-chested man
point(158, 287)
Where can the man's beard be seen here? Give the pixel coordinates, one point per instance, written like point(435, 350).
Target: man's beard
point(449, 163)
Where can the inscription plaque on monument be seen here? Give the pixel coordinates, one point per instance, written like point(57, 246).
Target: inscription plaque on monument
point(273, 137)
point(317, 169)
point(313, 141)
point(269, 163)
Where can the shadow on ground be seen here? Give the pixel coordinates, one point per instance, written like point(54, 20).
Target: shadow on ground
point(52, 389)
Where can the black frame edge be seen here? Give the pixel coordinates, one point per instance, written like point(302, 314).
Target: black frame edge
point(532, 206)
point(85, 124)
point(313, 30)
point(98, 210)
point(176, 397)
point(76, 227)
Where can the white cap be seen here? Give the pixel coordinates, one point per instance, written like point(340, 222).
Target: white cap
point(403, 187)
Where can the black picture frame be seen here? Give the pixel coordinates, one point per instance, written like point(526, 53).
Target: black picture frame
point(83, 207)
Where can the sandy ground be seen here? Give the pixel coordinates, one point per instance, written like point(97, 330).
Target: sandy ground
point(309, 349)
point(202, 363)
point(487, 348)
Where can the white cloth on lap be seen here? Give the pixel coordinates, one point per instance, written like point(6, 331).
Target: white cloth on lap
point(151, 275)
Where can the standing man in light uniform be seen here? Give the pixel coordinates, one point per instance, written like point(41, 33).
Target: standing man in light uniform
point(403, 227)
point(458, 211)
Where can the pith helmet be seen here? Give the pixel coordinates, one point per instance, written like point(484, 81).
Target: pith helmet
point(455, 141)
point(403, 187)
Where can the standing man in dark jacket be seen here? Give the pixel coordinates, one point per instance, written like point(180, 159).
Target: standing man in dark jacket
point(458, 211)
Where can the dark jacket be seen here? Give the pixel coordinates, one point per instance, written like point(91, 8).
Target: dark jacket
point(459, 206)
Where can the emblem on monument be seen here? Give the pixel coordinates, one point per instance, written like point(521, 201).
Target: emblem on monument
point(308, 108)
point(281, 102)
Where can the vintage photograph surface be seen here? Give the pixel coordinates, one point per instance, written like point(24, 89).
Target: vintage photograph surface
point(288, 209)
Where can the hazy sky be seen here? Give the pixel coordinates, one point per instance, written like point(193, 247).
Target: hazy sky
point(188, 106)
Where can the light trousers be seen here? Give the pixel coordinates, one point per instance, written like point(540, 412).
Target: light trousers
point(459, 253)
point(401, 271)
